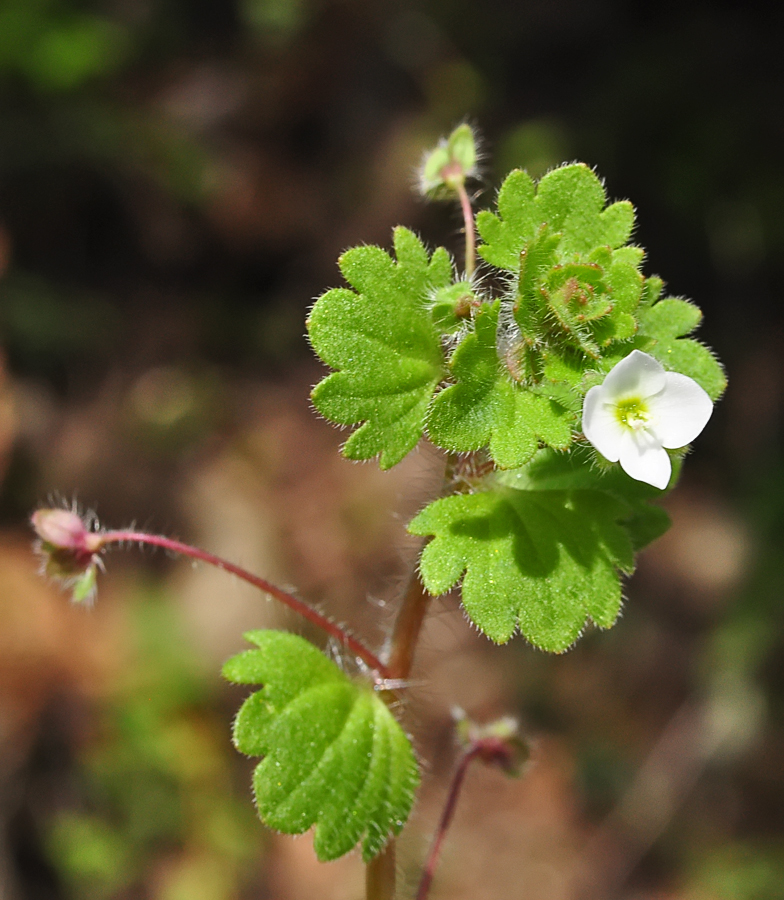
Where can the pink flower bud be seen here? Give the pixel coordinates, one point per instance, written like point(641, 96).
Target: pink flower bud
point(69, 549)
point(62, 529)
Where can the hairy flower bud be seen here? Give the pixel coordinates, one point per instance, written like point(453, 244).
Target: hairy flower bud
point(68, 549)
point(444, 170)
point(497, 743)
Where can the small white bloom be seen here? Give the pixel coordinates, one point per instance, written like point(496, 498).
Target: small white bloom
point(639, 410)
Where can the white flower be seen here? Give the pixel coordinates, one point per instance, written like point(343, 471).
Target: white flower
point(639, 410)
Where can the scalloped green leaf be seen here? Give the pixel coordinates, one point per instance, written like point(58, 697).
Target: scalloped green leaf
point(666, 323)
point(485, 408)
point(333, 755)
point(543, 562)
point(382, 341)
point(570, 200)
point(644, 520)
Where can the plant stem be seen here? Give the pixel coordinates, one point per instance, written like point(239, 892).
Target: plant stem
point(299, 606)
point(446, 817)
point(408, 624)
point(380, 874)
point(470, 234)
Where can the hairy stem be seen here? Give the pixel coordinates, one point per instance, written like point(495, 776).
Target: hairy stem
point(470, 234)
point(299, 606)
point(446, 817)
point(408, 624)
point(405, 636)
point(380, 873)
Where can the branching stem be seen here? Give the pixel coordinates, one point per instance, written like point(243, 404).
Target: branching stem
point(299, 606)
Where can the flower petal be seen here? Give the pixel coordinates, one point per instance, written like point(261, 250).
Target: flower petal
point(601, 425)
point(680, 411)
point(636, 374)
point(644, 458)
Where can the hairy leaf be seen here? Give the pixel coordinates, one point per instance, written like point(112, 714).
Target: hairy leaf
point(383, 343)
point(581, 470)
point(570, 200)
point(333, 755)
point(543, 562)
point(666, 323)
point(486, 408)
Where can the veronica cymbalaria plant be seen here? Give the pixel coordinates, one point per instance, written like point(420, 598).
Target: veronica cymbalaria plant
point(555, 401)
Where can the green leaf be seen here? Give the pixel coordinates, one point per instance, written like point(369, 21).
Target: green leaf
point(333, 755)
point(543, 562)
point(581, 469)
point(569, 200)
point(486, 408)
point(666, 323)
point(384, 345)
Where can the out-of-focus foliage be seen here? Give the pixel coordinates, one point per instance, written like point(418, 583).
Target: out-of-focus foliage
point(57, 46)
point(156, 784)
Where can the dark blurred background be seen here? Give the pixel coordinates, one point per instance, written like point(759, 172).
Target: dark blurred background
point(177, 178)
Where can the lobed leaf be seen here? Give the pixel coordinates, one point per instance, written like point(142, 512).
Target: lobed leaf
point(569, 200)
point(333, 755)
point(644, 520)
point(665, 324)
point(383, 343)
point(542, 561)
point(486, 408)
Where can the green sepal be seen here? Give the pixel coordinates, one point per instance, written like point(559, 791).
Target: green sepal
point(85, 586)
point(543, 562)
point(333, 755)
point(570, 200)
point(383, 343)
point(486, 408)
point(665, 324)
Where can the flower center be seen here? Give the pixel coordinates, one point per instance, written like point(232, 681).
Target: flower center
point(633, 412)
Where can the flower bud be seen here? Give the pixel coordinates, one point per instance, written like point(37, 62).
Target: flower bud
point(453, 305)
point(60, 528)
point(444, 170)
point(497, 743)
point(69, 550)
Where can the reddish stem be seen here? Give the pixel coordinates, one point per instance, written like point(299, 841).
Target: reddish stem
point(407, 627)
point(299, 606)
point(470, 754)
point(470, 234)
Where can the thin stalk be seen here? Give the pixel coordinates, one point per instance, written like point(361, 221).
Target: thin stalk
point(408, 625)
point(470, 234)
point(380, 874)
point(446, 818)
point(299, 606)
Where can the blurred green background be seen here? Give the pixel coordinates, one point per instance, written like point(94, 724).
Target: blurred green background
point(177, 179)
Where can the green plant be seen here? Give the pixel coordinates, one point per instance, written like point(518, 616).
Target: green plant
point(536, 379)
